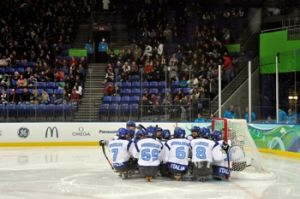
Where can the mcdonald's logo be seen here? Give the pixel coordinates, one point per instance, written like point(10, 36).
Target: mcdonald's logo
point(51, 130)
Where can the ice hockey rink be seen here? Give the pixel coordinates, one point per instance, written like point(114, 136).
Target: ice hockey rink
point(77, 173)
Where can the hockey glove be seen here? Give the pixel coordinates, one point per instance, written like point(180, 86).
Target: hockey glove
point(225, 147)
point(102, 142)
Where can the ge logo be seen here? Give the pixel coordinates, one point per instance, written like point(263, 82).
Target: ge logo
point(23, 132)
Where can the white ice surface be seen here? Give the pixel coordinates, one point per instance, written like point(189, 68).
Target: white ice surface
point(78, 173)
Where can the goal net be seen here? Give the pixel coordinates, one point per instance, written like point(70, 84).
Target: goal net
point(246, 161)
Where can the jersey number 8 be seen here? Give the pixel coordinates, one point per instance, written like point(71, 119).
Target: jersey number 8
point(201, 152)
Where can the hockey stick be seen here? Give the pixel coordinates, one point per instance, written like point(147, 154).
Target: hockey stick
point(104, 153)
point(141, 126)
point(228, 161)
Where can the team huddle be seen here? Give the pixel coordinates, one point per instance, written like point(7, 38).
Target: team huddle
point(153, 151)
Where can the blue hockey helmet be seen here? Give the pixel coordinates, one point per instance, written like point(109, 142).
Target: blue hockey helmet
point(179, 132)
point(195, 129)
point(139, 133)
point(217, 135)
point(130, 123)
point(159, 129)
point(205, 133)
point(122, 133)
point(150, 132)
point(166, 134)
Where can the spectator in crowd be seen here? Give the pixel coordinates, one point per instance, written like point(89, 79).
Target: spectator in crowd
point(246, 115)
point(282, 116)
point(229, 113)
point(291, 116)
point(200, 118)
point(74, 97)
point(170, 49)
point(89, 46)
point(45, 97)
point(228, 67)
point(102, 51)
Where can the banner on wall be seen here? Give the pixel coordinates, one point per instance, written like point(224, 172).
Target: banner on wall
point(278, 137)
point(267, 136)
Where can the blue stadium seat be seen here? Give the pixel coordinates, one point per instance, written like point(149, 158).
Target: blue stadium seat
point(126, 84)
point(113, 109)
point(145, 84)
point(41, 85)
point(50, 91)
point(115, 99)
point(51, 85)
point(11, 110)
point(50, 110)
point(69, 109)
point(2, 70)
point(175, 84)
point(134, 109)
point(19, 91)
point(153, 91)
point(106, 99)
point(136, 91)
point(134, 78)
point(153, 84)
point(118, 78)
point(30, 110)
point(165, 90)
point(20, 110)
point(41, 110)
point(162, 84)
point(125, 99)
point(40, 91)
point(136, 85)
point(118, 84)
point(186, 91)
point(124, 110)
point(2, 110)
point(176, 90)
point(20, 70)
point(9, 70)
point(59, 91)
point(59, 110)
point(103, 110)
point(134, 99)
point(125, 92)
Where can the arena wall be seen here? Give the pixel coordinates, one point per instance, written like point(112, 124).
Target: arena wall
point(279, 139)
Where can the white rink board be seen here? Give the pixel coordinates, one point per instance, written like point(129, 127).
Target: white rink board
point(71, 132)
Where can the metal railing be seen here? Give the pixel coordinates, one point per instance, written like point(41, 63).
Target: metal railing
point(153, 113)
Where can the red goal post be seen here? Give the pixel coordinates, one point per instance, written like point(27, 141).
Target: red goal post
point(222, 125)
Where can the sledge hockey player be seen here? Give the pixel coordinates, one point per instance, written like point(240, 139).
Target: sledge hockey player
point(163, 167)
point(138, 135)
point(120, 153)
point(147, 151)
point(221, 168)
point(177, 151)
point(204, 152)
point(194, 133)
point(237, 160)
point(131, 126)
point(159, 131)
